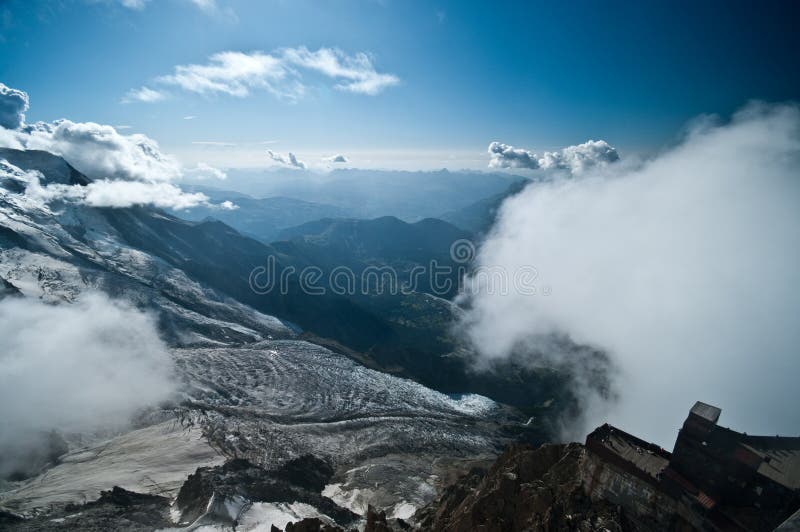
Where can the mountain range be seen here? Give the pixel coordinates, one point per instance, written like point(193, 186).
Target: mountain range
point(410, 196)
point(288, 372)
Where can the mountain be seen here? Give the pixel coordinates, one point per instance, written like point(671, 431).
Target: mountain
point(54, 169)
point(373, 383)
point(410, 196)
point(250, 386)
point(404, 332)
point(479, 217)
point(260, 218)
point(380, 243)
point(619, 482)
point(387, 237)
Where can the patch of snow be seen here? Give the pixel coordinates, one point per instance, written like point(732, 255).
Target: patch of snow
point(355, 500)
point(155, 459)
point(261, 516)
point(474, 404)
point(403, 510)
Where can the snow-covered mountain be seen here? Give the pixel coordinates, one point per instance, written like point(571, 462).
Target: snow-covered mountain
point(248, 387)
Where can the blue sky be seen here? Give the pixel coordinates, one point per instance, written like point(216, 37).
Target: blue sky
point(534, 75)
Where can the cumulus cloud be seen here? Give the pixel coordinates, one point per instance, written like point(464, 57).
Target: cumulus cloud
point(238, 73)
point(578, 159)
point(100, 151)
point(683, 269)
point(99, 363)
point(575, 159)
point(338, 158)
point(143, 94)
point(13, 104)
point(286, 160)
point(505, 156)
point(131, 166)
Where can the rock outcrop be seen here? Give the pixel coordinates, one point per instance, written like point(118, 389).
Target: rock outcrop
point(117, 509)
point(526, 489)
point(220, 494)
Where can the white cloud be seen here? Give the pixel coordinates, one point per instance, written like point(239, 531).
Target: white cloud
point(99, 151)
point(10, 138)
point(505, 156)
point(205, 171)
point(105, 192)
point(233, 73)
point(134, 4)
point(212, 9)
point(144, 94)
point(357, 72)
point(13, 104)
point(205, 5)
point(130, 166)
point(286, 160)
point(238, 73)
point(190, 117)
point(576, 159)
point(99, 363)
point(683, 269)
point(129, 193)
point(338, 158)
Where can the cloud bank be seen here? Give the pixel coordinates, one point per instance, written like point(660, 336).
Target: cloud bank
point(239, 73)
point(99, 364)
point(575, 159)
point(126, 169)
point(684, 270)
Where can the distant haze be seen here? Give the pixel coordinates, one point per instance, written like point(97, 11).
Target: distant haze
point(410, 196)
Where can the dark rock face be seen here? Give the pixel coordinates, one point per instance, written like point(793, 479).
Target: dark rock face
point(525, 489)
point(299, 480)
point(307, 472)
point(117, 509)
point(311, 524)
point(377, 522)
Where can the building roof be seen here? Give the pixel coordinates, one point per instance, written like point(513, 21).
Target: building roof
point(708, 412)
point(646, 457)
point(781, 458)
